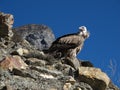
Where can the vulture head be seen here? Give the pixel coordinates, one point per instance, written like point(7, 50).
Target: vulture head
point(83, 32)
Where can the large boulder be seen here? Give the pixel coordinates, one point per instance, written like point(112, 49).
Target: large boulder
point(40, 36)
point(94, 77)
point(6, 22)
point(13, 62)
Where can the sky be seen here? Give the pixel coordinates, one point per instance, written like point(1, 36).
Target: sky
point(101, 17)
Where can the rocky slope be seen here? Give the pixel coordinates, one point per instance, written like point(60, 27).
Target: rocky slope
point(25, 66)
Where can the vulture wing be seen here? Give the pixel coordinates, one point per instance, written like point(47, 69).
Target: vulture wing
point(67, 42)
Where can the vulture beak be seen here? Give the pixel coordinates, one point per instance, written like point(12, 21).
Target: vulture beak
point(82, 28)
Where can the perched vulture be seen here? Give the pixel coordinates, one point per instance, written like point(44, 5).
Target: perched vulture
point(69, 45)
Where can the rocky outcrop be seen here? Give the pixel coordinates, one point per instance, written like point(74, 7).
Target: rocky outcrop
point(6, 22)
point(40, 36)
point(94, 77)
point(23, 67)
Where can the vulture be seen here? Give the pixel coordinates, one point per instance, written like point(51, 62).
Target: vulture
point(68, 46)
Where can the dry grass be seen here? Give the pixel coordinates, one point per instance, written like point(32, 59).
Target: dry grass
point(114, 72)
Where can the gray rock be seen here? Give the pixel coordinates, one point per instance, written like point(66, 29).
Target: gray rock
point(40, 36)
point(85, 86)
point(75, 63)
point(43, 71)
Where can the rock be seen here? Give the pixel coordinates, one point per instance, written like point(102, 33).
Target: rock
point(7, 87)
point(3, 53)
point(4, 78)
point(20, 51)
point(77, 88)
point(71, 80)
point(84, 86)
point(40, 36)
point(65, 69)
point(27, 67)
point(13, 62)
point(97, 79)
point(75, 63)
point(67, 86)
point(36, 62)
point(47, 72)
point(6, 22)
point(111, 86)
point(86, 64)
point(23, 65)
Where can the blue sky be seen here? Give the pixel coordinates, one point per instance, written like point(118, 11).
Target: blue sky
point(102, 18)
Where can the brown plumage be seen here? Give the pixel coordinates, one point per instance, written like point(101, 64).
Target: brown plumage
point(69, 45)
